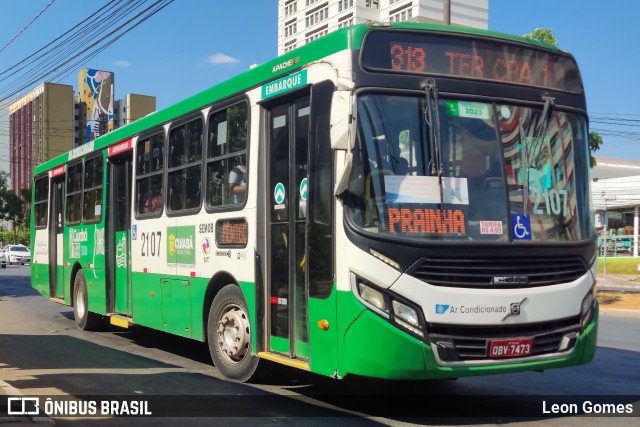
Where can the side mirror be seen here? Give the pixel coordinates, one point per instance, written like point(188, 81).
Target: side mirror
point(340, 120)
point(343, 178)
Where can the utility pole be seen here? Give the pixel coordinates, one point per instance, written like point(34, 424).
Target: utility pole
point(606, 197)
point(447, 12)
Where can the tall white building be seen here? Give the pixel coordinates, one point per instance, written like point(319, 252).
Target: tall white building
point(302, 21)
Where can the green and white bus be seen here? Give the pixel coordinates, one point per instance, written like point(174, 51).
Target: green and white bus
point(407, 201)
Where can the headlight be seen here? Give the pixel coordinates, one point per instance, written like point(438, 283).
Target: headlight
point(385, 303)
point(586, 308)
point(407, 317)
point(372, 296)
point(586, 304)
point(405, 313)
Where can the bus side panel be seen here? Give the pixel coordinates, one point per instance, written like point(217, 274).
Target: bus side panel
point(96, 290)
point(40, 278)
point(147, 299)
point(176, 305)
point(249, 291)
point(40, 261)
point(323, 344)
point(85, 246)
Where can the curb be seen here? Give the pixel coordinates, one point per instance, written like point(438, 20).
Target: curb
point(620, 312)
point(7, 389)
point(614, 288)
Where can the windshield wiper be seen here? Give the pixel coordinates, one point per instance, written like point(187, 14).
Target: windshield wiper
point(547, 110)
point(525, 166)
point(549, 103)
point(433, 122)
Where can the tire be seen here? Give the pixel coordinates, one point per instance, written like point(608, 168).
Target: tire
point(4, 265)
point(85, 320)
point(229, 336)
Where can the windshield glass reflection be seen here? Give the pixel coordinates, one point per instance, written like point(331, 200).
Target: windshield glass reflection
point(487, 153)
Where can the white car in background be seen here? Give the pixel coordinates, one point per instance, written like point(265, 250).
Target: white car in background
point(17, 254)
point(3, 260)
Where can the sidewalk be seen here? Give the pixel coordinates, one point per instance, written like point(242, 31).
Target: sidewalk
point(618, 282)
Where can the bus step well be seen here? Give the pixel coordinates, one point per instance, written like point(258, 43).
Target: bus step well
point(120, 321)
point(284, 360)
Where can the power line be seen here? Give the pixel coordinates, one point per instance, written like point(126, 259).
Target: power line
point(71, 44)
point(81, 23)
point(27, 26)
point(57, 60)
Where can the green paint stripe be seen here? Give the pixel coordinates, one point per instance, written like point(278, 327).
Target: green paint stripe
point(345, 38)
point(320, 48)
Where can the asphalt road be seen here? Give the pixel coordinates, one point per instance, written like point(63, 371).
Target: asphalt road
point(43, 353)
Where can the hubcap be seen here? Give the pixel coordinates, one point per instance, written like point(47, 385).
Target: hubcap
point(233, 333)
point(80, 302)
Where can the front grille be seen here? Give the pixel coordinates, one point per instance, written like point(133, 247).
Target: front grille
point(502, 273)
point(464, 344)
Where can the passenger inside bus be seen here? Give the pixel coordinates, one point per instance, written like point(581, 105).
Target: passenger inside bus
point(156, 203)
point(238, 181)
point(152, 203)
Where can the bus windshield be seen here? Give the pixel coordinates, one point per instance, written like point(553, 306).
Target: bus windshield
point(489, 158)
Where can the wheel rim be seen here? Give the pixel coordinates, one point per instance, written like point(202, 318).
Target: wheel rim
point(80, 302)
point(234, 334)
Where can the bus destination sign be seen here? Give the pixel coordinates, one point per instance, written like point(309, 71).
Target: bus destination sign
point(120, 147)
point(57, 171)
point(438, 54)
point(425, 220)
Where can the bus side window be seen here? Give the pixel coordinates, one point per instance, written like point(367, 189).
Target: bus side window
point(226, 157)
point(177, 148)
point(149, 177)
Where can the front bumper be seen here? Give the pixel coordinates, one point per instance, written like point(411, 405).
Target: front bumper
point(20, 259)
point(376, 348)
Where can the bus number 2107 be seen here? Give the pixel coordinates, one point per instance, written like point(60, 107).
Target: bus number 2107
point(151, 243)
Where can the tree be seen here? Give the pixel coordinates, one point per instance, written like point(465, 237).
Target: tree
point(25, 195)
point(595, 141)
point(544, 35)
point(10, 204)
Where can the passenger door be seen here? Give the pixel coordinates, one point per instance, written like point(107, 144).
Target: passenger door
point(287, 212)
point(56, 239)
point(118, 234)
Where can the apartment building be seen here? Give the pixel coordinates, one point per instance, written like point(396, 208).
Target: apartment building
point(302, 21)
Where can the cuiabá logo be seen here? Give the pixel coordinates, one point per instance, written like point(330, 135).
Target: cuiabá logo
point(172, 244)
point(181, 246)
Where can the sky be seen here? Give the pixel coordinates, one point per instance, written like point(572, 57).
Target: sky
point(193, 44)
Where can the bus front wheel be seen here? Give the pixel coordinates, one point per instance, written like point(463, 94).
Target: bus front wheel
point(229, 335)
point(85, 320)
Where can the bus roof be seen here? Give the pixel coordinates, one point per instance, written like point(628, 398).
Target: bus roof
point(349, 37)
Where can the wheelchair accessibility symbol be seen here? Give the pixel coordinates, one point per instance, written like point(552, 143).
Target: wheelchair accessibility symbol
point(521, 227)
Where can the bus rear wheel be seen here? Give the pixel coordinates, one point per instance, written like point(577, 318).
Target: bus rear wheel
point(229, 335)
point(85, 320)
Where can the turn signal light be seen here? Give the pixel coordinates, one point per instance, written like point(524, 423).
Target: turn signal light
point(324, 325)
